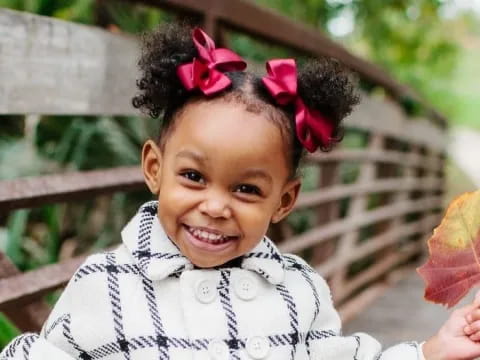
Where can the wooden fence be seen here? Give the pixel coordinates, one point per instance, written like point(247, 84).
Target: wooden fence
point(363, 230)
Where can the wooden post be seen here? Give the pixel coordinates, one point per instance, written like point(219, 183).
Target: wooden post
point(391, 171)
point(357, 206)
point(329, 175)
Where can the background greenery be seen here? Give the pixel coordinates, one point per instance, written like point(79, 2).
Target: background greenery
point(415, 40)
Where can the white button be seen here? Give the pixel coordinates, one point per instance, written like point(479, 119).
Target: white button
point(258, 347)
point(246, 287)
point(218, 350)
point(205, 291)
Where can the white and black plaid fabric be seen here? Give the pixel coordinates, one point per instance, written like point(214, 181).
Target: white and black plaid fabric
point(145, 300)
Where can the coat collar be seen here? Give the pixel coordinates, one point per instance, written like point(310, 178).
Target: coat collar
point(158, 257)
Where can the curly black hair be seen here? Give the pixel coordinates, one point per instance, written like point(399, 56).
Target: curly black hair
point(323, 84)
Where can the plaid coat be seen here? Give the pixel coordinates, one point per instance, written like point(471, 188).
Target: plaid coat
point(145, 300)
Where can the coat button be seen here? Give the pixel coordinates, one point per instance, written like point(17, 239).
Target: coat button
point(246, 287)
point(205, 291)
point(218, 350)
point(257, 347)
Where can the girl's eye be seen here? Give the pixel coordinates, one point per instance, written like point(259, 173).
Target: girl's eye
point(248, 189)
point(193, 176)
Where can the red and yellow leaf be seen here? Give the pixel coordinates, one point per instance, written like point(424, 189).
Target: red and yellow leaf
point(453, 267)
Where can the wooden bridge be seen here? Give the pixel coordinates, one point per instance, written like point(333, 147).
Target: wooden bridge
point(368, 228)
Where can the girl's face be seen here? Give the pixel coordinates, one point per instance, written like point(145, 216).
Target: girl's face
point(221, 178)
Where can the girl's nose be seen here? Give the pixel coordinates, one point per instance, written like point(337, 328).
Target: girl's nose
point(216, 207)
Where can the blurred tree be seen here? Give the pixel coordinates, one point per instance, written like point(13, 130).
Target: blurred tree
point(408, 38)
point(71, 10)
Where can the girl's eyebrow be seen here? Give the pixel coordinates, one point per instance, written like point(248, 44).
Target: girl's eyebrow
point(258, 173)
point(192, 155)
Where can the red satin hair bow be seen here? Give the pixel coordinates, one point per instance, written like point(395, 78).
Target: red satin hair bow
point(206, 71)
point(313, 129)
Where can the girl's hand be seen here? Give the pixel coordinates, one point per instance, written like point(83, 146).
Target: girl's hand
point(457, 338)
point(472, 330)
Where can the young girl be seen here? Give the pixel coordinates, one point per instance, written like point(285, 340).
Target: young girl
point(195, 276)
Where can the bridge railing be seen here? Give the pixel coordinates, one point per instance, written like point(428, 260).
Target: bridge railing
point(369, 206)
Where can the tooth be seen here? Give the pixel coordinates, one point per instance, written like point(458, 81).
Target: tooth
point(208, 236)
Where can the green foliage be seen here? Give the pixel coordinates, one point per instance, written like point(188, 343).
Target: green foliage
point(135, 19)
point(70, 10)
point(7, 331)
point(408, 38)
point(18, 158)
point(460, 97)
point(35, 237)
point(316, 13)
point(16, 228)
point(93, 142)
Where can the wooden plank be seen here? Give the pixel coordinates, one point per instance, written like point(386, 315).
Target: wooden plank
point(337, 192)
point(36, 191)
point(32, 316)
point(49, 66)
point(246, 17)
point(386, 156)
point(319, 234)
point(24, 288)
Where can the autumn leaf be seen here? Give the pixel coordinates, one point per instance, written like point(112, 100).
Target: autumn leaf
point(453, 267)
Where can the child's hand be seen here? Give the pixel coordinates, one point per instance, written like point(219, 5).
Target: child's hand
point(472, 330)
point(457, 338)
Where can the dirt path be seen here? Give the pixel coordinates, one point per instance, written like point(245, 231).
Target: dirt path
point(401, 314)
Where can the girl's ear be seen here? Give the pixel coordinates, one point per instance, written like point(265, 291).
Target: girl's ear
point(151, 165)
point(287, 200)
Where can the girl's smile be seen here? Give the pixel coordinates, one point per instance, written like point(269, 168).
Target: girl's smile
point(219, 186)
point(209, 239)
